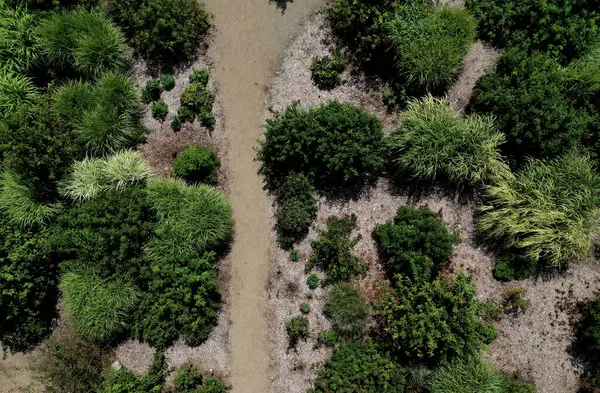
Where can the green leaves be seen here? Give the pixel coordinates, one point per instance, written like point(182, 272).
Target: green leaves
point(197, 164)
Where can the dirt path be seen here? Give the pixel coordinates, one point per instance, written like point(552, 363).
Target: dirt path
point(250, 37)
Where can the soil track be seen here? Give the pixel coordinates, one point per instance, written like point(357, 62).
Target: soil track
point(249, 40)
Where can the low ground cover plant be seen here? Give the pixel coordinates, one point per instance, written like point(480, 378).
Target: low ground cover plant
point(197, 164)
point(296, 210)
point(467, 376)
point(327, 70)
point(346, 309)
point(296, 329)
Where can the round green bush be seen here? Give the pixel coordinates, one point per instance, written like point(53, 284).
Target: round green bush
point(16, 91)
point(200, 77)
point(159, 110)
point(304, 308)
point(175, 123)
point(197, 164)
point(151, 91)
point(72, 100)
point(167, 82)
point(474, 376)
point(346, 309)
point(434, 143)
point(296, 210)
point(185, 114)
point(197, 98)
point(312, 281)
point(334, 145)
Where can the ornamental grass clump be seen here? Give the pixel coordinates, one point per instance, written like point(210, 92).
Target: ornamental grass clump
point(547, 212)
point(19, 51)
point(197, 164)
point(466, 376)
point(16, 90)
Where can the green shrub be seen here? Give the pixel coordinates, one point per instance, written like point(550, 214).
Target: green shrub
point(295, 255)
point(528, 97)
point(123, 380)
point(164, 32)
point(415, 244)
point(160, 110)
point(547, 211)
point(474, 376)
point(296, 329)
point(513, 385)
point(514, 301)
point(70, 364)
point(331, 252)
point(429, 43)
point(330, 338)
point(200, 77)
point(188, 378)
point(327, 71)
point(151, 91)
point(167, 82)
point(29, 291)
point(304, 308)
point(296, 210)
point(85, 41)
point(356, 367)
point(561, 28)
point(185, 114)
point(18, 38)
point(333, 145)
point(513, 267)
point(197, 98)
point(434, 143)
point(312, 281)
point(587, 331)
point(206, 118)
point(175, 123)
point(346, 309)
point(435, 321)
point(16, 91)
point(97, 308)
point(72, 100)
point(197, 164)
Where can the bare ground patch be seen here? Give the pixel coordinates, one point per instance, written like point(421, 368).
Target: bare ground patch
point(534, 343)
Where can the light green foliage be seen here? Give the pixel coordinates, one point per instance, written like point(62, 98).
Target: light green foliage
point(86, 41)
point(326, 70)
point(90, 177)
point(16, 90)
point(304, 308)
point(435, 321)
point(124, 380)
point(429, 43)
point(331, 252)
point(434, 143)
point(296, 329)
point(19, 202)
point(199, 100)
point(99, 309)
point(18, 35)
point(356, 367)
point(197, 164)
point(547, 211)
point(474, 376)
point(199, 76)
point(346, 309)
point(159, 110)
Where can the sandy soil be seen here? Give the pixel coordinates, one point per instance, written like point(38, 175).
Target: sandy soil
point(533, 343)
point(16, 374)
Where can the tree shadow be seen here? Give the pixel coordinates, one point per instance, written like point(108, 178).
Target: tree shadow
point(281, 4)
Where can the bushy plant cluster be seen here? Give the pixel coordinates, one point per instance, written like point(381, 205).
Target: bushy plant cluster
point(327, 70)
point(197, 164)
point(346, 309)
point(297, 329)
point(296, 210)
point(197, 100)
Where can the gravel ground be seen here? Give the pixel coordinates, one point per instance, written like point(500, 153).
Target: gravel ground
point(534, 342)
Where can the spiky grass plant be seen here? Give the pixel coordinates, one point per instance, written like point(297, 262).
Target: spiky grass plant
point(18, 35)
point(192, 219)
point(72, 100)
point(98, 308)
point(474, 376)
point(91, 177)
point(18, 200)
point(548, 210)
point(16, 90)
point(434, 143)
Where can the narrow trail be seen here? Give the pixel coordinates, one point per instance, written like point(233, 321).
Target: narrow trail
point(250, 38)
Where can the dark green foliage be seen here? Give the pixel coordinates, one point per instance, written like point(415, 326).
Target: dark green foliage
point(295, 255)
point(296, 210)
point(167, 82)
point(334, 145)
point(415, 243)
point(151, 91)
point(197, 164)
point(175, 123)
point(199, 101)
point(200, 77)
point(188, 378)
point(185, 114)
point(304, 308)
point(160, 110)
point(588, 331)
point(124, 380)
point(162, 31)
point(472, 376)
point(19, 50)
point(327, 71)
point(330, 338)
point(513, 267)
point(514, 301)
point(356, 367)
point(296, 329)
point(435, 321)
point(513, 385)
point(563, 28)
point(72, 100)
point(528, 97)
point(206, 118)
point(28, 290)
point(312, 281)
point(331, 252)
point(346, 309)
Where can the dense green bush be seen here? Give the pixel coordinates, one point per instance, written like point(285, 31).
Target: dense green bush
point(513, 267)
point(190, 379)
point(18, 38)
point(429, 43)
point(200, 77)
point(327, 71)
point(547, 211)
point(296, 329)
point(304, 308)
point(312, 281)
point(16, 90)
point(162, 31)
point(198, 99)
point(98, 309)
point(296, 210)
point(83, 41)
point(331, 252)
point(151, 91)
point(159, 110)
point(185, 114)
point(167, 82)
point(561, 28)
point(434, 143)
point(415, 243)
point(473, 376)
point(587, 331)
point(123, 380)
point(346, 309)
point(528, 96)
point(28, 293)
point(356, 367)
point(175, 123)
point(197, 164)
point(435, 321)
point(72, 99)
point(334, 145)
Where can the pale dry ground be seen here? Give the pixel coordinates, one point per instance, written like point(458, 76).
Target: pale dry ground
point(533, 343)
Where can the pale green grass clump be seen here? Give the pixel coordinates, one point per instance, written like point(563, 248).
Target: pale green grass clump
point(434, 143)
point(16, 90)
point(547, 211)
point(475, 376)
point(18, 36)
point(91, 177)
